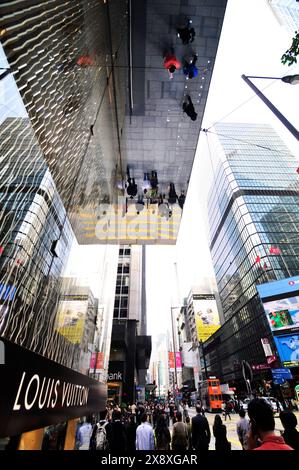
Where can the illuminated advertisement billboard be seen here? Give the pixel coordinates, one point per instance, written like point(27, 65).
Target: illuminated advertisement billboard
point(71, 318)
point(281, 304)
point(288, 349)
point(206, 315)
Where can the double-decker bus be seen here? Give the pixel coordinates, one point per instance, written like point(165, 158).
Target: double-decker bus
point(210, 395)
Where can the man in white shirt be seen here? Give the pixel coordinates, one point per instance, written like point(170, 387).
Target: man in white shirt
point(243, 429)
point(145, 435)
point(85, 432)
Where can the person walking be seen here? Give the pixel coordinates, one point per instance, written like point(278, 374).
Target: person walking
point(171, 63)
point(185, 411)
point(84, 435)
point(132, 188)
point(186, 34)
point(243, 429)
point(201, 434)
point(227, 410)
point(145, 435)
point(261, 434)
point(189, 429)
point(172, 195)
point(188, 108)
point(162, 434)
point(139, 205)
point(219, 431)
point(101, 435)
point(181, 201)
point(131, 434)
point(291, 435)
point(118, 438)
point(190, 69)
point(179, 441)
point(167, 413)
point(154, 180)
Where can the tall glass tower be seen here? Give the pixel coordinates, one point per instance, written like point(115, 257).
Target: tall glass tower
point(254, 224)
point(253, 206)
point(287, 13)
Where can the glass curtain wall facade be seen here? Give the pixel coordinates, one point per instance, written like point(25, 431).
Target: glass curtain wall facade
point(35, 237)
point(69, 63)
point(121, 303)
point(253, 208)
point(287, 13)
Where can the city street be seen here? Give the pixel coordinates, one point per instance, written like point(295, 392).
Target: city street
point(149, 223)
point(231, 427)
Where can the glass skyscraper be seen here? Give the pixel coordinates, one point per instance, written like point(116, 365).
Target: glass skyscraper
point(35, 237)
point(287, 13)
point(254, 224)
point(68, 60)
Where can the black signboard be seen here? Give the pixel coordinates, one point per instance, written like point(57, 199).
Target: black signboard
point(36, 392)
point(116, 371)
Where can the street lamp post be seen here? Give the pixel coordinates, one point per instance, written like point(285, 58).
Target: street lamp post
point(204, 359)
point(291, 79)
point(174, 351)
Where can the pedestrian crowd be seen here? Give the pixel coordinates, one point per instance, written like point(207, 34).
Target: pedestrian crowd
point(168, 426)
point(186, 33)
point(151, 194)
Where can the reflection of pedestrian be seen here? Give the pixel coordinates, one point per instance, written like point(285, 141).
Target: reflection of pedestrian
point(154, 180)
point(171, 63)
point(172, 196)
point(181, 199)
point(85, 60)
point(188, 108)
point(146, 185)
point(227, 410)
point(139, 205)
point(190, 69)
point(132, 188)
point(186, 34)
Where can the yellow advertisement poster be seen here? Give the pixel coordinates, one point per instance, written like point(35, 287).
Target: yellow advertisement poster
point(206, 317)
point(70, 319)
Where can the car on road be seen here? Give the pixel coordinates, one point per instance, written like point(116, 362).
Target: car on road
point(244, 404)
point(275, 404)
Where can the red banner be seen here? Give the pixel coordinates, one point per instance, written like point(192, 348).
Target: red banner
point(171, 361)
point(97, 361)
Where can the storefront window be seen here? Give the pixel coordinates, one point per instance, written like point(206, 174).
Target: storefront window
point(54, 437)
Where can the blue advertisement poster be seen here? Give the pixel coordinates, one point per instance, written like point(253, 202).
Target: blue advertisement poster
point(288, 349)
point(282, 312)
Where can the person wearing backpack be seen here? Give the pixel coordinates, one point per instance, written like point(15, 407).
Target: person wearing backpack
point(101, 436)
